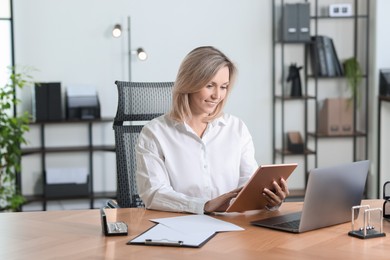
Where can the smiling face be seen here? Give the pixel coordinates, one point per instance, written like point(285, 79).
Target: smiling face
point(205, 101)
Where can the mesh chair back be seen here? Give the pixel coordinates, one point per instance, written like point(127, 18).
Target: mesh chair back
point(137, 102)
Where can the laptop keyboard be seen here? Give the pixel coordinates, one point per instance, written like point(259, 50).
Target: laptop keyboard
point(289, 224)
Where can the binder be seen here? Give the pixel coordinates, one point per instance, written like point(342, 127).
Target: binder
point(346, 117)
point(384, 82)
point(54, 101)
point(332, 60)
point(303, 22)
point(324, 59)
point(336, 117)
point(329, 117)
point(295, 142)
point(329, 56)
point(39, 103)
point(338, 67)
point(47, 101)
point(290, 23)
point(317, 55)
point(296, 22)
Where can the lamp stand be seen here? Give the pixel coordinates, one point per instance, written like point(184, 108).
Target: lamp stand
point(129, 44)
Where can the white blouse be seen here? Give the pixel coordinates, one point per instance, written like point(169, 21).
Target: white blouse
point(178, 171)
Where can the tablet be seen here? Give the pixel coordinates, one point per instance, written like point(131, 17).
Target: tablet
point(250, 197)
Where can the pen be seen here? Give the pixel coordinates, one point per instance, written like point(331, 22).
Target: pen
point(163, 242)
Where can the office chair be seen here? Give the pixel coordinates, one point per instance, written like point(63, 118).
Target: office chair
point(138, 102)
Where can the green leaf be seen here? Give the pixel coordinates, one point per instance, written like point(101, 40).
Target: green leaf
point(12, 130)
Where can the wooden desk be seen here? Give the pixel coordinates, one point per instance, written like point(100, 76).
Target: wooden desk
point(77, 235)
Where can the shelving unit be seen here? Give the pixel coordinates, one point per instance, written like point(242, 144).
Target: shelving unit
point(90, 148)
point(313, 86)
point(381, 99)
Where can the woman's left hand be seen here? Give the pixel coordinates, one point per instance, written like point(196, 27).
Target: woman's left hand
point(275, 198)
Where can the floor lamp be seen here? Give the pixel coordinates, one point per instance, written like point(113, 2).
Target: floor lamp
point(140, 52)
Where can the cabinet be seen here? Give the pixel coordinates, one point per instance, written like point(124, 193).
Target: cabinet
point(350, 36)
point(380, 180)
point(77, 190)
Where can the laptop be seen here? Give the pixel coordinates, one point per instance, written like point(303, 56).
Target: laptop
point(330, 194)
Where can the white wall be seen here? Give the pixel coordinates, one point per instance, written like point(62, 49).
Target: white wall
point(380, 60)
point(70, 41)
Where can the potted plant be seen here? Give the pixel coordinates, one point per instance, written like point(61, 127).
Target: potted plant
point(354, 75)
point(12, 129)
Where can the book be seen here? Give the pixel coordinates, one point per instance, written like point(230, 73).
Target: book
point(317, 56)
point(337, 64)
point(332, 60)
point(329, 55)
point(324, 57)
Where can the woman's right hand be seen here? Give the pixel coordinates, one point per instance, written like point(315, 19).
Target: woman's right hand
point(220, 203)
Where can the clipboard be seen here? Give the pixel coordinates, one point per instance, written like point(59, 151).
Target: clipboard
point(183, 231)
point(250, 198)
point(162, 235)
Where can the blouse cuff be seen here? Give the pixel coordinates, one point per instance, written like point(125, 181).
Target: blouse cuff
point(197, 206)
point(274, 208)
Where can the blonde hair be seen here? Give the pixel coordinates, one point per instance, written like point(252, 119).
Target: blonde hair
point(195, 72)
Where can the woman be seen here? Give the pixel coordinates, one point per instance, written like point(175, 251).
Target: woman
point(196, 158)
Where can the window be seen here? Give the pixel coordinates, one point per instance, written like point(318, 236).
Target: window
point(6, 43)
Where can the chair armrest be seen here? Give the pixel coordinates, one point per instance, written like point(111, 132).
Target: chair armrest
point(112, 204)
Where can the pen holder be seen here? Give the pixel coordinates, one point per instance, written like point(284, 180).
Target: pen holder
point(368, 229)
point(112, 228)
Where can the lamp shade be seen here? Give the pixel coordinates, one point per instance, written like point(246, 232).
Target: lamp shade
point(117, 31)
point(141, 54)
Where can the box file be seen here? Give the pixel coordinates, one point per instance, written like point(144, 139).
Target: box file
point(336, 117)
point(295, 142)
point(384, 82)
point(296, 22)
point(47, 105)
